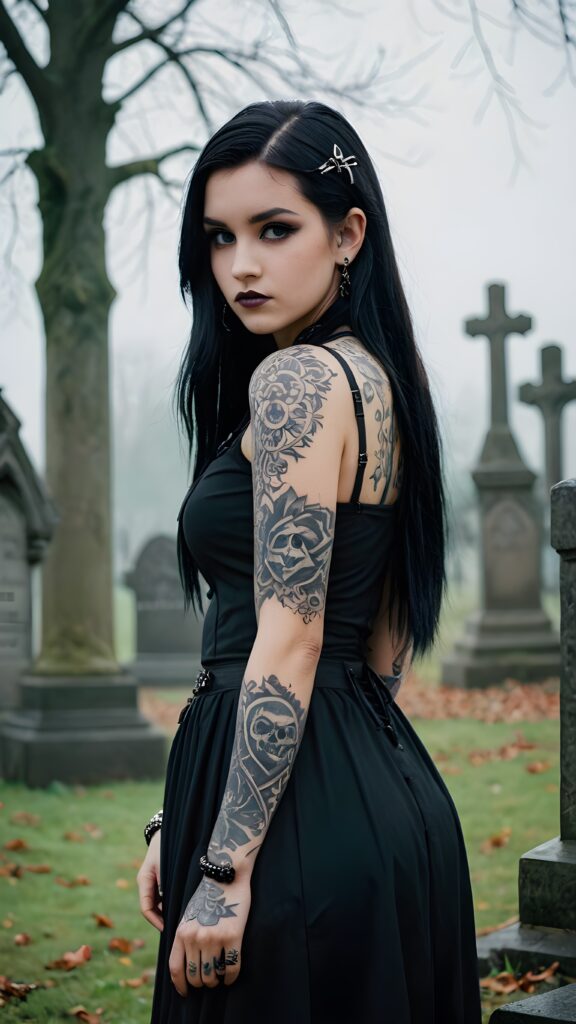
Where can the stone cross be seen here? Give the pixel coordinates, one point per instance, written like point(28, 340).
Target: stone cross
point(496, 327)
point(550, 396)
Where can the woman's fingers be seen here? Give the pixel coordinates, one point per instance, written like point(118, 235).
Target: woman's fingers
point(177, 966)
point(149, 898)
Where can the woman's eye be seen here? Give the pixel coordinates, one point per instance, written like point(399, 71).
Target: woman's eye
point(214, 236)
point(284, 228)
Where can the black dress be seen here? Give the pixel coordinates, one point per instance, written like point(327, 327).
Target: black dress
point(361, 907)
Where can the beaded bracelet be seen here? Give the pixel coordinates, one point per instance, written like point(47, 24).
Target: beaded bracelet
point(153, 825)
point(221, 872)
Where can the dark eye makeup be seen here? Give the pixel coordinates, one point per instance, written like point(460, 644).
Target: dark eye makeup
point(287, 230)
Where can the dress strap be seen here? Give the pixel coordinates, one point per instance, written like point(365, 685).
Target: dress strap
point(359, 412)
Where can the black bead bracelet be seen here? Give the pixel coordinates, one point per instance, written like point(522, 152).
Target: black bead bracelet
point(220, 872)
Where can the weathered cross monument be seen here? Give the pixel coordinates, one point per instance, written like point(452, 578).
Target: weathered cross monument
point(511, 635)
point(550, 396)
point(546, 931)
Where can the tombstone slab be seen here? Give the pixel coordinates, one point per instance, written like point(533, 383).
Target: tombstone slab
point(557, 1007)
point(510, 636)
point(168, 639)
point(27, 521)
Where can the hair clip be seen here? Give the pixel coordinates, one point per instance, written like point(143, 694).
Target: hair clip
point(338, 161)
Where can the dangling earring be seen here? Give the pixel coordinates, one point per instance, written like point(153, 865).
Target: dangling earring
point(224, 324)
point(345, 283)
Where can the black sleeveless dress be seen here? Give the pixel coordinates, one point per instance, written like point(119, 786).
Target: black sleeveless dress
point(361, 907)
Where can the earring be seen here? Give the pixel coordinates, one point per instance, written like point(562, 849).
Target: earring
point(345, 283)
point(224, 324)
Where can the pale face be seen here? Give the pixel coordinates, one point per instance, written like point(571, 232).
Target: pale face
point(289, 254)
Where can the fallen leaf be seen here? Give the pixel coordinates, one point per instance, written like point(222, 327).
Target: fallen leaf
point(11, 870)
point(497, 840)
point(68, 961)
point(94, 830)
point(73, 837)
point(123, 883)
point(536, 767)
point(137, 982)
point(81, 1013)
point(122, 945)
point(25, 818)
point(125, 960)
point(103, 921)
point(16, 844)
point(14, 988)
point(22, 939)
point(79, 880)
point(7, 923)
point(38, 869)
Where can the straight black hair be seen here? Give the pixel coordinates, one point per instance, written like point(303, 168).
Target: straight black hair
point(211, 390)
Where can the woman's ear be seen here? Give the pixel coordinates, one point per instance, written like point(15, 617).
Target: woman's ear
point(350, 233)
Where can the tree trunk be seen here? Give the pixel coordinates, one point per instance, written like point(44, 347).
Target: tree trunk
point(75, 296)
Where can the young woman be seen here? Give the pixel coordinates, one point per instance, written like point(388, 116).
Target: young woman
point(308, 866)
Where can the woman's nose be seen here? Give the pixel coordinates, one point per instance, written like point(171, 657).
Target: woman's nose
point(245, 264)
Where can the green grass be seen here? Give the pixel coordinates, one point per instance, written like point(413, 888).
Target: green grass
point(488, 797)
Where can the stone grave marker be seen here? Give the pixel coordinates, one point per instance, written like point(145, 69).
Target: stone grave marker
point(27, 519)
point(168, 640)
point(550, 396)
point(546, 931)
point(510, 635)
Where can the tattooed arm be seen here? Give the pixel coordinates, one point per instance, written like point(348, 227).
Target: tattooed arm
point(388, 654)
point(297, 415)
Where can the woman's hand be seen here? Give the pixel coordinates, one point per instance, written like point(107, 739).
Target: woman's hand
point(148, 879)
point(208, 940)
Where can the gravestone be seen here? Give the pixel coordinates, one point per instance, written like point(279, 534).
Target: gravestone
point(511, 635)
point(550, 396)
point(27, 519)
point(546, 930)
point(168, 640)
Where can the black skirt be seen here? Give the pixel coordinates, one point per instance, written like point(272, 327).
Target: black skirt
point(361, 908)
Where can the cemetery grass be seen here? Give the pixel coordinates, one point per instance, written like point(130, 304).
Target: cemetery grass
point(106, 845)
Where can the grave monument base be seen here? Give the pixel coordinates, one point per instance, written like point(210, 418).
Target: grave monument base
point(528, 948)
point(79, 729)
point(499, 645)
point(557, 1007)
point(547, 884)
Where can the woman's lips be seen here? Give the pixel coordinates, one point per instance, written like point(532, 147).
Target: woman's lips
point(249, 303)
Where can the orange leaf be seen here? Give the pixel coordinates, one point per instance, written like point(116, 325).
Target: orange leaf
point(25, 818)
point(16, 844)
point(68, 961)
point(7, 922)
point(123, 883)
point(122, 945)
point(39, 869)
point(81, 1013)
point(79, 880)
point(12, 870)
point(103, 921)
point(74, 837)
point(137, 982)
point(125, 960)
point(94, 830)
point(14, 988)
point(537, 767)
point(22, 939)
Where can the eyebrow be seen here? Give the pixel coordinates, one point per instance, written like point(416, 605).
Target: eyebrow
point(256, 218)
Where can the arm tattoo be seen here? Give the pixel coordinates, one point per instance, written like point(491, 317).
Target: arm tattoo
point(269, 728)
point(293, 537)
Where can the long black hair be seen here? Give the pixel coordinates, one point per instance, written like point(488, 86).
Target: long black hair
point(212, 383)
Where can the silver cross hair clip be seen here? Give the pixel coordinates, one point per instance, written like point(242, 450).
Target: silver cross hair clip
point(339, 162)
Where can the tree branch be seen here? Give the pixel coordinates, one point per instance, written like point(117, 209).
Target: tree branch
point(22, 59)
point(150, 165)
point(148, 33)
